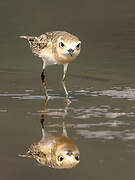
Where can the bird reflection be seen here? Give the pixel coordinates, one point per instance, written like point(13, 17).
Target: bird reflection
point(55, 151)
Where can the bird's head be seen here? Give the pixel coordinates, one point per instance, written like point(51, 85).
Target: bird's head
point(67, 155)
point(68, 47)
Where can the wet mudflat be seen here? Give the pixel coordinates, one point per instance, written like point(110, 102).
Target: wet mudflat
point(100, 118)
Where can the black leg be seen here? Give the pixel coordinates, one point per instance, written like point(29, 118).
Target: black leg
point(44, 83)
point(43, 75)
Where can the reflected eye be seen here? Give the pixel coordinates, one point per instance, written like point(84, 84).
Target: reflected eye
point(60, 158)
point(77, 158)
point(78, 46)
point(62, 44)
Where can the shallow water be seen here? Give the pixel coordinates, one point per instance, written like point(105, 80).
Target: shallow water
point(101, 116)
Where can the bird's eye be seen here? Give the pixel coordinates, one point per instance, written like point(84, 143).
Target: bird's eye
point(77, 158)
point(78, 46)
point(62, 44)
point(60, 158)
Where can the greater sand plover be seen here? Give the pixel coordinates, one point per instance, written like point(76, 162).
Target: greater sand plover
point(56, 47)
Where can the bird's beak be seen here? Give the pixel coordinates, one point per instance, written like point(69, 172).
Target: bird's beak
point(71, 51)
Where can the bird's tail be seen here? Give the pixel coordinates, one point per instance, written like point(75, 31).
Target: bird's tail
point(29, 38)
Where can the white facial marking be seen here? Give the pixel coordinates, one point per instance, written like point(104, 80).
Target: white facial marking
point(71, 46)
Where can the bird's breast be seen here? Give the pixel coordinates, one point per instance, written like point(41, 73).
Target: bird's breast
point(48, 57)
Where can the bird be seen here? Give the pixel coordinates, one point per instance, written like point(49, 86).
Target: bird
point(55, 151)
point(55, 47)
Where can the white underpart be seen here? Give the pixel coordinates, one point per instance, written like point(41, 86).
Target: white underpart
point(49, 60)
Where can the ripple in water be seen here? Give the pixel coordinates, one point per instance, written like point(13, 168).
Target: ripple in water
point(127, 93)
point(106, 134)
point(102, 111)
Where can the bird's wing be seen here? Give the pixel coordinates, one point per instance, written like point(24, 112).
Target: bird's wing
point(43, 41)
point(37, 43)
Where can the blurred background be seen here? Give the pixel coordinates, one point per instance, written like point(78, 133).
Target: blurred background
point(100, 118)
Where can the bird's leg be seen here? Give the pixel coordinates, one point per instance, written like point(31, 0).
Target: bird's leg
point(44, 83)
point(42, 128)
point(44, 111)
point(43, 79)
point(64, 129)
point(42, 119)
point(66, 104)
point(63, 79)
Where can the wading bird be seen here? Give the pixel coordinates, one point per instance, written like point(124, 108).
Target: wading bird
point(56, 47)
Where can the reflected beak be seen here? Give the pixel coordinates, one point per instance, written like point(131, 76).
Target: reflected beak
point(71, 51)
point(69, 152)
